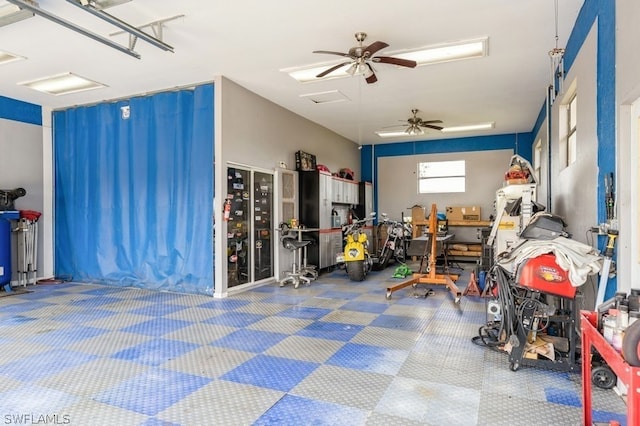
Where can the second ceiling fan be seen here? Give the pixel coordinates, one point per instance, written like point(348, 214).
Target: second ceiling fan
point(361, 57)
point(415, 124)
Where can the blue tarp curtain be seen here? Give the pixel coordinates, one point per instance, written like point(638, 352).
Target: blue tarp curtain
point(133, 196)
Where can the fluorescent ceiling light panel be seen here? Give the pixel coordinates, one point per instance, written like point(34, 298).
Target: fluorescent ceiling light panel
point(308, 75)
point(469, 127)
point(10, 13)
point(62, 84)
point(464, 49)
point(104, 4)
point(6, 57)
point(392, 133)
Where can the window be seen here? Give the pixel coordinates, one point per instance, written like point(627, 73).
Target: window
point(572, 120)
point(537, 159)
point(441, 176)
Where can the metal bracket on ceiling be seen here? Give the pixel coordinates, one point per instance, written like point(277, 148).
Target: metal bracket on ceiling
point(133, 31)
point(60, 21)
point(155, 26)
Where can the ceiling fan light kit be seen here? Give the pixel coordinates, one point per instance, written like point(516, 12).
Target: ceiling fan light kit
point(361, 57)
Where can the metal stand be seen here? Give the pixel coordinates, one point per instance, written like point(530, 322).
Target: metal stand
point(431, 276)
point(629, 375)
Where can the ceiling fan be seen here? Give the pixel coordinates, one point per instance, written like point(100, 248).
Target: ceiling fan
point(416, 124)
point(361, 57)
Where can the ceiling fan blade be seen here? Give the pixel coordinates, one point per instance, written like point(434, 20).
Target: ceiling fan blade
point(431, 126)
point(431, 121)
point(371, 78)
point(375, 47)
point(329, 52)
point(395, 61)
point(332, 69)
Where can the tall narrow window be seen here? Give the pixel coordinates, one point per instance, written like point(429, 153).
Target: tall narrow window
point(537, 159)
point(572, 121)
point(441, 176)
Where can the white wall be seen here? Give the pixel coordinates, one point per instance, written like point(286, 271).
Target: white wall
point(21, 160)
point(628, 114)
point(574, 187)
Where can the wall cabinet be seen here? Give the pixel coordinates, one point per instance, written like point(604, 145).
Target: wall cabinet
point(344, 191)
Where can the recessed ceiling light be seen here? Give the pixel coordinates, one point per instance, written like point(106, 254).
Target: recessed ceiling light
point(62, 84)
point(469, 127)
point(464, 49)
point(6, 57)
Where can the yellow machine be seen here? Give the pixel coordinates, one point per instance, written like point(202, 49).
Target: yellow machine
point(355, 255)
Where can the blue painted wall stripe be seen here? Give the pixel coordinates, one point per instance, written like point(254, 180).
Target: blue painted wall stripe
point(13, 109)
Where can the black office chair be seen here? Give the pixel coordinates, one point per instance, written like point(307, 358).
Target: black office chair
point(291, 243)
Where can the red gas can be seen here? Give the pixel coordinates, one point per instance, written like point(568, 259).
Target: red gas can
point(543, 274)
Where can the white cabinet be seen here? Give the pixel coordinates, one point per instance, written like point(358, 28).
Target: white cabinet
point(344, 191)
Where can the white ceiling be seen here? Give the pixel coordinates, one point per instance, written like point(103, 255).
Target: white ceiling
point(250, 41)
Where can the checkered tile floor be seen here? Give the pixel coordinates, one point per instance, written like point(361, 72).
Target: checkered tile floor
point(331, 353)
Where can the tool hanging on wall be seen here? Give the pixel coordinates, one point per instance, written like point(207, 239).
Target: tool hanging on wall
point(609, 197)
point(612, 234)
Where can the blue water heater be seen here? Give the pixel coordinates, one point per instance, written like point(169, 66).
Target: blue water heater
point(5, 245)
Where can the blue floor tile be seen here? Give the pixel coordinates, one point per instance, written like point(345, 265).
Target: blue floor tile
point(235, 319)
point(224, 304)
point(336, 294)
point(250, 340)
point(155, 352)
point(86, 315)
point(563, 396)
point(331, 330)
point(67, 336)
point(44, 364)
point(24, 308)
point(158, 309)
point(95, 301)
point(285, 299)
point(370, 307)
point(152, 392)
point(157, 327)
point(369, 358)
point(305, 312)
point(271, 372)
point(294, 410)
point(400, 322)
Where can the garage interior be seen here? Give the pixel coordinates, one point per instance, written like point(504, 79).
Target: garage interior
point(182, 232)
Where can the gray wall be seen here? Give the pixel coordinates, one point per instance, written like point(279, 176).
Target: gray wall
point(259, 132)
point(398, 188)
point(21, 160)
point(253, 131)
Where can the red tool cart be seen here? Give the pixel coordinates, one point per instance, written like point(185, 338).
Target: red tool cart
point(630, 376)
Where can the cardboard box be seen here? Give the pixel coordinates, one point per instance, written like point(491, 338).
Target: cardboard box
point(417, 214)
point(468, 213)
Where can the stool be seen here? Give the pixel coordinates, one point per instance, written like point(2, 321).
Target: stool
point(291, 243)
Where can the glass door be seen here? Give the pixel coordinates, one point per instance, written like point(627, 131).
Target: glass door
point(237, 215)
point(263, 225)
point(249, 218)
